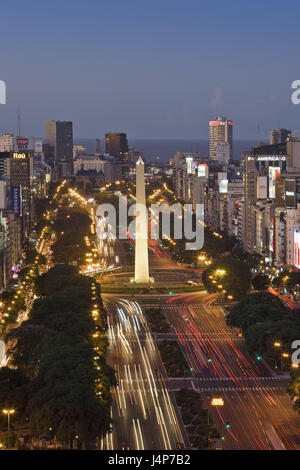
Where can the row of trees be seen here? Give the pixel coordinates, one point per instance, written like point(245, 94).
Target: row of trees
point(264, 321)
point(70, 225)
point(59, 383)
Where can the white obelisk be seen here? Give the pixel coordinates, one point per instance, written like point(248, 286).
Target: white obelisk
point(141, 273)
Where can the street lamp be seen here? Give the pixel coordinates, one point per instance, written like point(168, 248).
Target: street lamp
point(277, 344)
point(217, 402)
point(8, 413)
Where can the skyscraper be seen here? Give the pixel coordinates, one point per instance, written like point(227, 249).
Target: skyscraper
point(116, 144)
point(59, 147)
point(220, 130)
point(20, 170)
point(278, 136)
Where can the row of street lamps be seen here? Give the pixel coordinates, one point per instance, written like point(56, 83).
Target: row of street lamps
point(7, 413)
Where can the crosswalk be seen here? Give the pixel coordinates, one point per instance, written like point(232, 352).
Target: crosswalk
point(196, 337)
point(248, 378)
point(215, 384)
point(237, 389)
point(241, 389)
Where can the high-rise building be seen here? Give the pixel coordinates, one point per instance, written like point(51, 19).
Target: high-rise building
point(6, 143)
point(278, 136)
point(220, 130)
point(59, 147)
point(116, 144)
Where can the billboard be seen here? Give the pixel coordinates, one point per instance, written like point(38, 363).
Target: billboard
point(203, 170)
point(38, 145)
point(16, 200)
point(223, 186)
point(272, 235)
point(261, 187)
point(274, 175)
point(222, 182)
point(189, 161)
point(297, 248)
point(290, 193)
point(2, 194)
point(22, 142)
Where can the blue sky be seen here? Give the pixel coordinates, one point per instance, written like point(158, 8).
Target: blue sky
point(155, 69)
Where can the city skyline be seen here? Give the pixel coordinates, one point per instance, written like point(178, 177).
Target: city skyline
point(150, 229)
point(149, 70)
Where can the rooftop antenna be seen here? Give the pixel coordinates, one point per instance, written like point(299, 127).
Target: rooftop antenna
point(19, 123)
point(257, 132)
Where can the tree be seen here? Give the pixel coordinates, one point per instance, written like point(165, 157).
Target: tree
point(231, 274)
point(58, 277)
point(256, 307)
point(260, 282)
point(260, 337)
point(67, 392)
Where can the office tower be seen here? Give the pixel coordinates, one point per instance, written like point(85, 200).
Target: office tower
point(6, 143)
point(116, 144)
point(141, 273)
point(59, 147)
point(278, 136)
point(20, 170)
point(220, 130)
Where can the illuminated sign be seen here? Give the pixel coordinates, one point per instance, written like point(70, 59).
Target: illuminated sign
point(297, 248)
point(290, 193)
point(274, 175)
point(189, 161)
point(203, 170)
point(223, 182)
point(220, 123)
point(19, 155)
point(223, 186)
point(22, 141)
point(272, 234)
point(217, 402)
point(261, 187)
point(268, 158)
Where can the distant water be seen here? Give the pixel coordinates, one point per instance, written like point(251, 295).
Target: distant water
point(164, 149)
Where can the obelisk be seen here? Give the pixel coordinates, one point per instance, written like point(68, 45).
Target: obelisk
point(141, 273)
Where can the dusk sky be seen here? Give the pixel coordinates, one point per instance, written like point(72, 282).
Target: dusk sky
point(154, 69)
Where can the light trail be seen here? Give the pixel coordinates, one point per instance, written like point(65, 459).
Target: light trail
point(143, 415)
point(251, 399)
